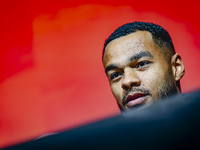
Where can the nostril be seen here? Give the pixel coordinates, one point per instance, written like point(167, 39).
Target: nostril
point(130, 79)
point(125, 87)
point(134, 84)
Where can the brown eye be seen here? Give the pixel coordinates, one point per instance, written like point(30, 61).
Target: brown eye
point(142, 64)
point(115, 75)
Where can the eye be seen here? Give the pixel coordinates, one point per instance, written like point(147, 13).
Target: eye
point(115, 75)
point(142, 64)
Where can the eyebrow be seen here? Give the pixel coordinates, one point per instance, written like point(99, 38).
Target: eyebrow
point(139, 55)
point(110, 67)
point(131, 59)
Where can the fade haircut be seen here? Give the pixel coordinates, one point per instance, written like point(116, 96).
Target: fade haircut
point(160, 36)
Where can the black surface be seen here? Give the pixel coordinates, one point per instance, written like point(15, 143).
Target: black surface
point(173, 123)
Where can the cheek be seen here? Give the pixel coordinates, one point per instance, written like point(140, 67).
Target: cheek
point(154, 79)
point(117, 91)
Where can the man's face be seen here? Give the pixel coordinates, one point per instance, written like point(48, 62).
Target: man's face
point(137, 71)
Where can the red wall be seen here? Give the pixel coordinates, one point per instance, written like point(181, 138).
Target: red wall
point(51, 75)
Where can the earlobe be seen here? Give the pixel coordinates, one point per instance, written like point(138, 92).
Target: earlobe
point(178, 68)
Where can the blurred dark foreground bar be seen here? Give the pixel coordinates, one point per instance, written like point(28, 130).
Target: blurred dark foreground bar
point(171, 124)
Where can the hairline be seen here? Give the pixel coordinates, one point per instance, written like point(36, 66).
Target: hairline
point(155, 41)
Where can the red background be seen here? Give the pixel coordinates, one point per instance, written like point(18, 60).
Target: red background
point(51, 74)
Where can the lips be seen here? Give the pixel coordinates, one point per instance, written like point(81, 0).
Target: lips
point(135, 99)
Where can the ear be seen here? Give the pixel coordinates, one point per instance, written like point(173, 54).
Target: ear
point(178, 68)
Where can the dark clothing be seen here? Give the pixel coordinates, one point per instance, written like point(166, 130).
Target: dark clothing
point(172, 124)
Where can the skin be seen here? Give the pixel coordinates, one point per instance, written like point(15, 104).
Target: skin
point(137, 71)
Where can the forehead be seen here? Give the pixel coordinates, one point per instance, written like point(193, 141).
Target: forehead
point(122, 48)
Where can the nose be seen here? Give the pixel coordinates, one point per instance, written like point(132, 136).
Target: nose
point(130, 79)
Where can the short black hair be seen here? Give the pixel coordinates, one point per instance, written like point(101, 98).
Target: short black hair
point(160, 36)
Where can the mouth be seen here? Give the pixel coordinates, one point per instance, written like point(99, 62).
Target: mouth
point(135, 99)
